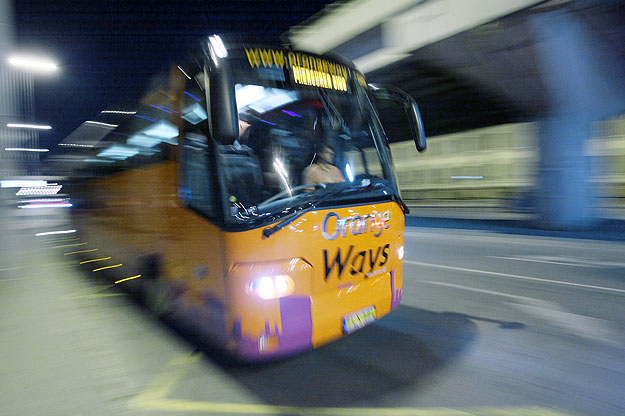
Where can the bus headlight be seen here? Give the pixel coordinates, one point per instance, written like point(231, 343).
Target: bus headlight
point(400, 253)
point(271, 287)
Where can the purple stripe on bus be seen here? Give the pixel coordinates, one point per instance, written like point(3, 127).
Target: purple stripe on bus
point(396, 294)
point(296, 317)
point(296, 334)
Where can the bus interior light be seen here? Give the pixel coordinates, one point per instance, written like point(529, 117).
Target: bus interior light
point(194, 114)
point(163, 130)
point(141, 140)
point(117, 151)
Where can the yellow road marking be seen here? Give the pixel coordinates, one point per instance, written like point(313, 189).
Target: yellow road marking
point(166, 381)
point(89, 261)
point(154, 398)
point(81, 251)
point(59, 240)
point(107, 267)
point(70, 245)
point(174, 405)
point(96, 292)
point(96, 295)
point(128, 278)
point(58, 263)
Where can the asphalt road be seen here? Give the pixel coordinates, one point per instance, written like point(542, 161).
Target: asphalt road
point(490, 324)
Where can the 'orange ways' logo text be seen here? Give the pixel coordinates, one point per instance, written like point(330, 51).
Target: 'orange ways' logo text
point(334, 226)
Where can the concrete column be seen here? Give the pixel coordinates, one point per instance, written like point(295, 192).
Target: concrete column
point(583, 84)
point(6, 25)
point(7, 86)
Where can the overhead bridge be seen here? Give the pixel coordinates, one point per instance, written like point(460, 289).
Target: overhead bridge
point(473, 64)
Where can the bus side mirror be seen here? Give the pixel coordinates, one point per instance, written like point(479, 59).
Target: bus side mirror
point(221, 103)
point(388, 100)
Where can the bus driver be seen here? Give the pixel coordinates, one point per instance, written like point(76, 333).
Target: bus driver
point(322, 170)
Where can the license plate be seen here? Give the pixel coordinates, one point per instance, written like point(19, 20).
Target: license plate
point(358, 319)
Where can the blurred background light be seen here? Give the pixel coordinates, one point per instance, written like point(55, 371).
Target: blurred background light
point(33, 63)
point(117, 112)
point(118, 152)
point(20, 183)
point(218, 46)
point(55, 232)
point(29, 126)
point(25, 149)
point(100, 124)
point(51, 189)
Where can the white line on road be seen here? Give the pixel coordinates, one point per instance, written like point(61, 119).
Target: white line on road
point(520, 239)
point(585, 326)
point(564, 261)
point(11, 268)
point(16, 278)
point(473, 289)
point(515, 276)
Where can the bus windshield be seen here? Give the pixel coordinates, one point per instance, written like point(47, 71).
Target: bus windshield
point(299, 146)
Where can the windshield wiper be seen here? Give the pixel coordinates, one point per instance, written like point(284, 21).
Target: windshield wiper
point(269, 231)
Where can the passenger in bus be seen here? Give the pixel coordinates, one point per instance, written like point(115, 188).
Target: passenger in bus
point(322, 170)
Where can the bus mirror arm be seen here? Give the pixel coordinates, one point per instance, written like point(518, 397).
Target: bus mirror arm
point(416, 126)
point(403, 205)
point(224, 119)
point(389, 93)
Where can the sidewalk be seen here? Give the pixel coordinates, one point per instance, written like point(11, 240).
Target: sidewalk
point(490, 217)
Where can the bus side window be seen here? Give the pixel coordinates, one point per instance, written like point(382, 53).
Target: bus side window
point(197, 188)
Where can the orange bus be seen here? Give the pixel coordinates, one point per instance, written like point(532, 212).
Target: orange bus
point(251, 194)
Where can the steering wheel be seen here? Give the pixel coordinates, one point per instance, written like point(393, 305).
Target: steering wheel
point(292, 191)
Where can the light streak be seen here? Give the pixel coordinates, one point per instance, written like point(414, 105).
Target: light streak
point(33, 63)
point(120, 112)
point(99, 124)
point(48, 205)
point(26, 201)
point(75, 145)
point(21, 183)
point(192, 96)
point(182, 70)
point(291, 113)
point(218, 46)
point(25, 149)
point(29, 126)
point(55, 232)
point(39, 190)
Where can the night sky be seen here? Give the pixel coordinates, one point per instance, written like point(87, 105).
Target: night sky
point(108, 50)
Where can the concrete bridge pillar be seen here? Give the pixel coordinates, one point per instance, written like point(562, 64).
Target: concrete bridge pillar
point(583, 83)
